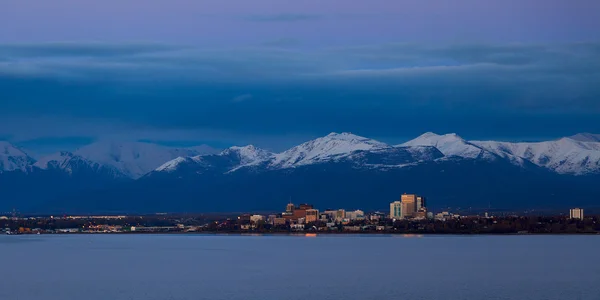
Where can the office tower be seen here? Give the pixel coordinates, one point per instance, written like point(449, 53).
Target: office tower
point(409, 205)
point(396, 210)
point(421, 202)
point(576, 213)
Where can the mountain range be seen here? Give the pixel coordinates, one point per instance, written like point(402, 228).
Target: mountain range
point(337, 170)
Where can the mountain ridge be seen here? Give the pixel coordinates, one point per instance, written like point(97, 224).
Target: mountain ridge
point(336, 170)
point(576, 155)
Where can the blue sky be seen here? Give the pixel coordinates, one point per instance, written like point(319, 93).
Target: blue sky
point(274, 73)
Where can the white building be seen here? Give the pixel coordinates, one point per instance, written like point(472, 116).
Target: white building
point(257, 218)
point(576, 213)
point(355, 215)
point(331, 214)
point(396, 210)
point(297, 227)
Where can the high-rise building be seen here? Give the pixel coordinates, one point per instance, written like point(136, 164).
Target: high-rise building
point(396, 210)
point(576, 213)
point(340, 215)
point(421, 202)
point(409, 205)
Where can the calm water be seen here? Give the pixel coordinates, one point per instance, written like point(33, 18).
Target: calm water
point(166, 267)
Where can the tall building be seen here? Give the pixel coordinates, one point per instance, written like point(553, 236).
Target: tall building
point(421, 202)
point(409, 205)
point(340, 215)
point(396, 210)
point(576, 213)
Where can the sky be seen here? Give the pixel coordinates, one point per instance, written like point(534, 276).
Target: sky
point(277, 73)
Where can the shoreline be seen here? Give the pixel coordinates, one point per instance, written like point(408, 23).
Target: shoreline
point(309, 234)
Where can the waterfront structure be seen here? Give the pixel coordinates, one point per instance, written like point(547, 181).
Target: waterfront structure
point(299, 214)
point(279, 221)
point(376, 216)
point(331, 214)
point(324, 217)
point(312, 215)
point(355, 215)
point(396, 210)
point(576, 213)
point(297, 227)
point(257, 218)
point(295, 213)
point(421, 214)
point(244, 218)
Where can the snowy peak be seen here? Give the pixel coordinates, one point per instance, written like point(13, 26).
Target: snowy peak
point(330, 147)
point(55, 161)
point(449, 144)
point(229, 159)
point(586, 137)
point(134, 159)
point(70, 163)
point(13, 158)
point(247, 154)
point(564, 156)
point(177, 163)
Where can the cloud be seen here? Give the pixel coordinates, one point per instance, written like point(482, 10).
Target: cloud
point(152, 61)
point(80, 49)
point(242, 98)
point(283, 17)
point(499, 87)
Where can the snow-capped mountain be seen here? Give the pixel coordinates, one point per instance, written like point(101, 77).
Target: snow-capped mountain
point(393, 157)
point(586, 137)
point(13, 158)
point(564, 156)
point(134, 159)
point(450, 145)
point(73, 164)
point(336, 170)
point(335, 147)
point(228, 160)
point(331, 147)
point(247, 155)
